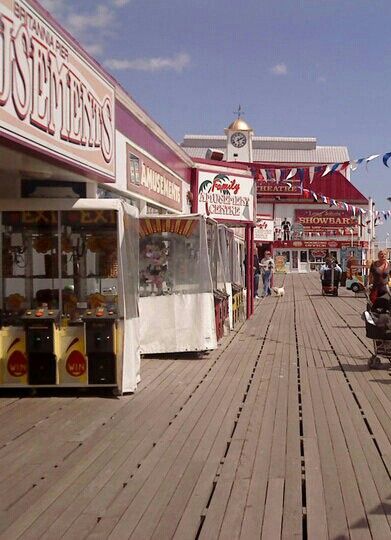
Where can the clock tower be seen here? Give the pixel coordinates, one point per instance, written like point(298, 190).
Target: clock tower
point(239, 140)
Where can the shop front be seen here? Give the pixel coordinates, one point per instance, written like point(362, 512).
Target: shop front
point(309, 255)
point(227, 194)
point(68, 260)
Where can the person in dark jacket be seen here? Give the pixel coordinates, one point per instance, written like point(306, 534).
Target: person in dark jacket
point(257, 271)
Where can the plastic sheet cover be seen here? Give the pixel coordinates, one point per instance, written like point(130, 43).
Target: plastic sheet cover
point(129, 271)
point(173, 256)
point(237, 262)
point(176, 291)
point(216, 257)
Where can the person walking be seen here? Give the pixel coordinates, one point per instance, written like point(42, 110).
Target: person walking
point(379, 274)
point(267, 266)
point(257, 271)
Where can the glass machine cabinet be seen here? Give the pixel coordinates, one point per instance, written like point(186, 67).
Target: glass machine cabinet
point(61, 308)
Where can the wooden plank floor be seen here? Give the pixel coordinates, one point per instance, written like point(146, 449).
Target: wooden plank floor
point(282, 432)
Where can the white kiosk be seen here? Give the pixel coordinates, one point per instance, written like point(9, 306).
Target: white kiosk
point(176, 290)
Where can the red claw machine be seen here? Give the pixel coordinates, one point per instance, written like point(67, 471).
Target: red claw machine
point(68, 290)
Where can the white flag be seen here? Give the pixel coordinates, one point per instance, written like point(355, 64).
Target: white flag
point(327, 170)
point(291, 174)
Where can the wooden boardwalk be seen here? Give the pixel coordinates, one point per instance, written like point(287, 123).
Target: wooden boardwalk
point(282, 432)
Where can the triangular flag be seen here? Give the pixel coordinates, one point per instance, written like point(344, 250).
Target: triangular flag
point(335, 167)
point(314, 195)
point(353, 164)
point(359, 161)
point(278, 175)
point(301, 174)
point(291, 174)
point(311, 173)
point(327, 170)
point(344, 166)
point(324, 199)
point(386, 157)
point(288, 184)
point(333, 202)
point(370, 158)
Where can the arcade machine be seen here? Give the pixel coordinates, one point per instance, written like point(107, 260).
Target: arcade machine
point(176, 292)
point(69, 294)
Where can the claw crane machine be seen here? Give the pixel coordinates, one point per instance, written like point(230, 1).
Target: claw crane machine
point(69, 294)
point(176, 290)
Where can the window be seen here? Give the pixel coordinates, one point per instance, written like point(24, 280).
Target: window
point(303, 256)
point(134, 169)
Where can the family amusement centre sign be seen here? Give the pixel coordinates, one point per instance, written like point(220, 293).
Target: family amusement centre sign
point(51, 97)
point(226, 197)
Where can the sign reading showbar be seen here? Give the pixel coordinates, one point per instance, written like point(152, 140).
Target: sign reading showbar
point(50, 96)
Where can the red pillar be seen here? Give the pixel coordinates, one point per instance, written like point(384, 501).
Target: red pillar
point(249, 237)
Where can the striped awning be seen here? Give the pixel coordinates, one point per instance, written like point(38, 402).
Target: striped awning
point(181, 226)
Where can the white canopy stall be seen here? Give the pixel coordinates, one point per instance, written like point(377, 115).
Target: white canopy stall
point(176, 291)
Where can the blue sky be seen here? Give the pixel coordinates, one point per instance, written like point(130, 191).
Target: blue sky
point(319, 68)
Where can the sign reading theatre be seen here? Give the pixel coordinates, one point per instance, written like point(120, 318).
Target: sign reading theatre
point(226, 197)
point(50, 96)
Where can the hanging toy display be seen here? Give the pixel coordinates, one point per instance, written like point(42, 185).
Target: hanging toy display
point(155, 272)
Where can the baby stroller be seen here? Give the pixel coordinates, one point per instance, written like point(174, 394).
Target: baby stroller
point(377, 319)
point(330, 279)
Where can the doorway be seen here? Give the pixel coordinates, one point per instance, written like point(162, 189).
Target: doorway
point(295, 261)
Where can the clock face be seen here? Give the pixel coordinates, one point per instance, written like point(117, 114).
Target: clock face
point(238, 139)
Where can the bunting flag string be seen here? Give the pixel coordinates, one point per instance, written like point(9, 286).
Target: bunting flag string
point(279, 173)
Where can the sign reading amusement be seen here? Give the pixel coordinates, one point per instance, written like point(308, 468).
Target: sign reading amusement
point(149, 179)
point(52, 97)
point(226, 197)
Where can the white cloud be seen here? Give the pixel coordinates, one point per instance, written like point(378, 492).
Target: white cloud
point(55, 7)
point(94, 48)
point(176, 63)
point(279, 69)
point(120, 3)
point(101, 19)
